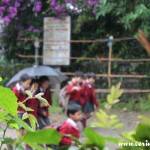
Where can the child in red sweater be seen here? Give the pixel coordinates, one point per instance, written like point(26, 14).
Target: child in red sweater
point(69, 128)
point(43, 111)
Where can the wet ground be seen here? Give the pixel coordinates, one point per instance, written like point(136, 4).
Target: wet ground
point(129, 119)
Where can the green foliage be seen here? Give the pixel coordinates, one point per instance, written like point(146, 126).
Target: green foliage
point(139, 104)
point(112, 98)
point(36, 137)
point(9, 116)
point(107, 121)
point(141, 132)
point(50, 136)
point(104, 120)
point(94, 138)
point(8, 101)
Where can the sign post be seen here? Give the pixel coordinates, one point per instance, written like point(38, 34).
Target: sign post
point(56, 48)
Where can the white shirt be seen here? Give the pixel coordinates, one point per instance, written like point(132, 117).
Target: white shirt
point(72, 122)
point(19, 87)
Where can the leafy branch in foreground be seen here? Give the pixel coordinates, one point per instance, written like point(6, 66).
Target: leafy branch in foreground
point(105, 120)
point(9, 119)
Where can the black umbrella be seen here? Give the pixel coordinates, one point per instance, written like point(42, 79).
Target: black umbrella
point(55, 76)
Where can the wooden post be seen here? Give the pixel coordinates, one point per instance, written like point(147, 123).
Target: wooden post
point(109, 66)
point(109, 60)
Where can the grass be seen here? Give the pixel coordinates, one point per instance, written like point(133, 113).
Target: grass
point(55, 107)
point(142, 104)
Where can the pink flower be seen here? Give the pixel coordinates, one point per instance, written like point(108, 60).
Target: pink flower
point(6, 20)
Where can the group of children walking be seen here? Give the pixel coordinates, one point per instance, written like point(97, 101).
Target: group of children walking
point(80, 106)
point(40, 112)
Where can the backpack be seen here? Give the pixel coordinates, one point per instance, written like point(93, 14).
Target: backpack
point(63, 98)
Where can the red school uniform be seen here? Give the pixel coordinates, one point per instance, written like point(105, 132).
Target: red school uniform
point(90, 94)
point(48, 97)
point(20, 94)
point(68, 128)
point(75, 95)
point(33, 104)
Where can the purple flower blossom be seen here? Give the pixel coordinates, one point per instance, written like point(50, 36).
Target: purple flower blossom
point(33, 29)
point(92, 3)
point(6, 20)
point(38, 6)
point(94, 11)
point(12, 11)
point(17, 4)
point(69, 1)
point(31, 1)
point(1, 11)
point(53, 2)
point(30, 28)
point(6, 2)
point(36, 30)
point(59, 9)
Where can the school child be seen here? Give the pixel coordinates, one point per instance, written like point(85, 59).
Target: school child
point(33, 103)
point(70, 128)
point(43, 112)
point(19, 90)
point(74, 89)
point(90, 97)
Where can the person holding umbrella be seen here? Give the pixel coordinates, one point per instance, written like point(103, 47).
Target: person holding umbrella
point(43, 112)
point(19, 90)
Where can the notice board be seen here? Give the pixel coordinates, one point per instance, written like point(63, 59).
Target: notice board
point(56, 46)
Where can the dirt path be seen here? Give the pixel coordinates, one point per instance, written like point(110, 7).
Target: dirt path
point(129, 119)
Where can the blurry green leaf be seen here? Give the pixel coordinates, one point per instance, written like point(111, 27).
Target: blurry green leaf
point(8, 101)
point(13, 124)
point(142, 132)
point(120, 125)
point(113, 122)
point(43, 100)
point(112, 92)
point(1, 79)
point(108, 106)
point(128, 135)
point(25, 116)
point(116, 101)
point(94, 137)
point(97, 124)
point(145, 119)
point(102, 118)
point(119, 93)
point(50, 136)
point(39, 95)
point(19, 147)
point(33, 121)
point(103, 113)
point(113, 140)
point(36, 146)
point(109, 99)
point(118, 86)
point(23, 124)
point(113, 116)
point(3, 113)
point(7, 140)
point(24, 107)
point(76, 140)
point(29, 93)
